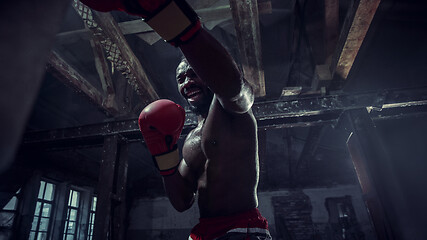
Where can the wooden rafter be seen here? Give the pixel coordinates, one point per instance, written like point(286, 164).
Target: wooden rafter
point(140, 27)
point(136, 74)
point(355, 27)
point(334, 55)
point(105, 28)
point(246, 22)
point(103, 71)
point(322, 29)
point(59, 68)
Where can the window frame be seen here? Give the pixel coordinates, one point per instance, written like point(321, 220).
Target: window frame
point(52, 212)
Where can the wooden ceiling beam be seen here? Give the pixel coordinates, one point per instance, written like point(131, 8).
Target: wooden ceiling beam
point(353, 32)
point(144, 31)
point(62, 71)
point(107, 32)
point(246, 22)
point(104, 73)
point(130, 65)
point(333, 53)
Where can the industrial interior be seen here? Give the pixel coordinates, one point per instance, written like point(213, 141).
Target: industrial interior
point(341, 103)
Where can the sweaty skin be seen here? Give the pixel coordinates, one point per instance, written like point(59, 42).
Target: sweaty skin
point(220, 156)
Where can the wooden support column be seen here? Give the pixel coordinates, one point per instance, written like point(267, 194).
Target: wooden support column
point(370, 162)
point(110, 209)
point(120, 212)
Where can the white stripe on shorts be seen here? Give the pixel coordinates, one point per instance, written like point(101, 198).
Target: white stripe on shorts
point(249, 230)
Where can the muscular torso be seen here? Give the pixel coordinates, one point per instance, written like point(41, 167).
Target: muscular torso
point(222, 156)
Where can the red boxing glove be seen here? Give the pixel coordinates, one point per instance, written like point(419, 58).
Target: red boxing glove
point(161, 123)
point(174, 20)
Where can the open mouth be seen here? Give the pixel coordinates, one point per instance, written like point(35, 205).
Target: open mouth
point(192, 92)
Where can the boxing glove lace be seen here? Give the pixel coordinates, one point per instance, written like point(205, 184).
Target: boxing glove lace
point(161, 123)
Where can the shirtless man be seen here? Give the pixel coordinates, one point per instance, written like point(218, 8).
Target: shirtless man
point(220, 156)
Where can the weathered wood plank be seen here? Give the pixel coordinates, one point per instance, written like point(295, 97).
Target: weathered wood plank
point(105, 188)
point(104, 74)
point(374, 171)
point(139, 81)
point(246, 22)
point(120, 211)
point(355, 27)
point(69, 76)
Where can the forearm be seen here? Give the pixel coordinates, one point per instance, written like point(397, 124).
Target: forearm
point(179, 191)
point(213, 64)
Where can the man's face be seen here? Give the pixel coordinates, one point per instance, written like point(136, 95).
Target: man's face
point(197, 94)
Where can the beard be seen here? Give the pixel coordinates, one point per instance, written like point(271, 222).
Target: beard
point(202, 108)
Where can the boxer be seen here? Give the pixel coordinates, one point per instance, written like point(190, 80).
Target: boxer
point(220, 156)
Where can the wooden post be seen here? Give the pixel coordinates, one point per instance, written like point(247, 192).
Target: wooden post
point(370, 162)
point(120, 212)
point(111, 209)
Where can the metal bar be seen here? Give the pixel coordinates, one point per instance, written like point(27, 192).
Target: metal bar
point(273, 114)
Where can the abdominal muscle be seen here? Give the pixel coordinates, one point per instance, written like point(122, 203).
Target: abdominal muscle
point(223, 192)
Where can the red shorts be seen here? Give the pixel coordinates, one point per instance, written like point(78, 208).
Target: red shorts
point(250, 222)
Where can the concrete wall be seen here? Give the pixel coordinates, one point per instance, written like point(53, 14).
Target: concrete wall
point(156, 218)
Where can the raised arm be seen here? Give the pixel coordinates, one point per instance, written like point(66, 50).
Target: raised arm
point(214, 65)
point(177, 23)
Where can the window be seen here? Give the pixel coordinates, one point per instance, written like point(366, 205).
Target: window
point(43, 211)
point(73, 211)
point(91, 218)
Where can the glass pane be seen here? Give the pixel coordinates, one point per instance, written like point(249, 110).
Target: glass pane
point(44, 224)
point(46, 210)
point(41, 190)
point(35, 222)
point(11, 205)
point(71, 227)
point(94, 203)
point(6, 219)
point(73, 215)
point(75, 199)
point(32, 236)
point(41, 236)
point(70, 237)
point(50, 192)
point(92, 218)
point(89, 230)
point(37, 211)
